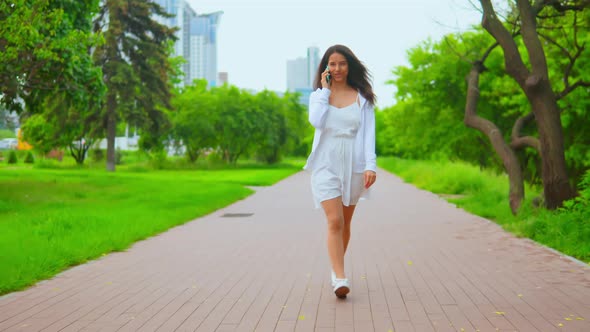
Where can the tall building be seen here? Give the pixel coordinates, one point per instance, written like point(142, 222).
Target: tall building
point(313, 61)
point(297, 74)
point(203, 42)
point(181, 19)
point(301, 73)
point(197, 40)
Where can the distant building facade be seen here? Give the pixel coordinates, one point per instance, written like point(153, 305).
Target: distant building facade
point(301, 73)
point(197, 40)
point(203, 40)
point(222, 78)
point(297, 74)
point(313, 61)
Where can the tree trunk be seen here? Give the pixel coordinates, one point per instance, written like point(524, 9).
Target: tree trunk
point(535, 84)
point(77, 152)
point(111, 130)
point(508, 156)
point(544, 104)
point(556, 185)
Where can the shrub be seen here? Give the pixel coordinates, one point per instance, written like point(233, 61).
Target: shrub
point(158, 159)
point(118, 157)
point(97, 155)
point(568, 228)
point(215, 158)
point(12, 158)
point(29, 159)
point(55, 154)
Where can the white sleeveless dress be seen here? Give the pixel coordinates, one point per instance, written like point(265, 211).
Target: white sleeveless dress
point(333, 176)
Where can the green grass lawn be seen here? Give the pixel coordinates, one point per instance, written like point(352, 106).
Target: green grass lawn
point(486, 194)
point(51, 219)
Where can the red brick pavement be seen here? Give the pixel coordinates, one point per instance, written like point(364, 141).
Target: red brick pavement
point(416, 263)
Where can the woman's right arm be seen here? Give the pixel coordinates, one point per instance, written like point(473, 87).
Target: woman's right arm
point(319, 103)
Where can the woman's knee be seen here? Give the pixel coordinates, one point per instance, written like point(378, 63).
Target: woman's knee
point(335, 223)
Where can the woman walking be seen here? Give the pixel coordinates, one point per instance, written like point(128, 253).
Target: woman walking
point(342, 160)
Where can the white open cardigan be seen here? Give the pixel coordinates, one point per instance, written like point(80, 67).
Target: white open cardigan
point(364, 144)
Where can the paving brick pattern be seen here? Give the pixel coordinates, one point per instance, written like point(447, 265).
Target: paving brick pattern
point(416, 262)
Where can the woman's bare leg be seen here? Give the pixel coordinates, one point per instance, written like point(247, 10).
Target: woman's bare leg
point(348, 211)
point(334, 215)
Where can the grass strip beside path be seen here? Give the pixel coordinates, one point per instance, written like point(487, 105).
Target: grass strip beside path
point(53, 219)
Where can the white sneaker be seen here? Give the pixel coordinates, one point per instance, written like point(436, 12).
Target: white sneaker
point(341, 288)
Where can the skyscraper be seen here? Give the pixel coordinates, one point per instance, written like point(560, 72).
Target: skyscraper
point(183, 14)
point(203, 40)
point(313, 61)
point(197, 40)
point(301, 73)
point(297, 74)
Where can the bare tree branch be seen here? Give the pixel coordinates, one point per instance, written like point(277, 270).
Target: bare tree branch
point(476, 7)
point(494, 134)
point(488, 52)
point(512, 59)
point(572, 87)
point(531, 40)
point(566, 75)
point(562, 7)
point(554, 42)
point(455, 51)
point(579, 49)
point(518, 142)
point(538, 6)
point(575, 26)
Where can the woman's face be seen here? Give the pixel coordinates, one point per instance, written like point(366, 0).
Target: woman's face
point(338, 67)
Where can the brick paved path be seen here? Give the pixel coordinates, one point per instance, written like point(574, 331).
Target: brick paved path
point(416, 262)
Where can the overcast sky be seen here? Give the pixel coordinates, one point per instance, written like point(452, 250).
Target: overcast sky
point(257, 37)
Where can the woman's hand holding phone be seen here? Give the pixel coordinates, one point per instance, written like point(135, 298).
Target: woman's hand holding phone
point(326, 78)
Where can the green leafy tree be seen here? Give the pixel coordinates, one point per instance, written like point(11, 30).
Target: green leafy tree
point(194, 119)
point(43, 136)
point(298, 127)
point(567, 38)
point(426, 122)
point(238, 122)
point(44, 51)
point(272, 122)
point(64, 107)
point(136, 66)
point(535, 83)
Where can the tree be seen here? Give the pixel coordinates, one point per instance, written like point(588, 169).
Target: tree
point(63, 126)
point(273, 124)
point(426, 121)
point(298, 127)
point(194, 119)
point(39, 133)
point(238, 122)
point(566, 37)
point(44, 51)
point(536, 86)
point(136, 68)
point(46, 63)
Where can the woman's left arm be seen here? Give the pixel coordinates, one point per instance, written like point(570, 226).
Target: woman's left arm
point(369, 147)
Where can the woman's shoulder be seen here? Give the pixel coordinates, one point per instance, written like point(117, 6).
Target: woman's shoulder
point(320, 92)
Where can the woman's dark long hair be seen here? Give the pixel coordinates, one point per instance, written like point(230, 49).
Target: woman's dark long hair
point(358, 75)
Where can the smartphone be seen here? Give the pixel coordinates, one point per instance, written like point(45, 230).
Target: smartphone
point(328, 77)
